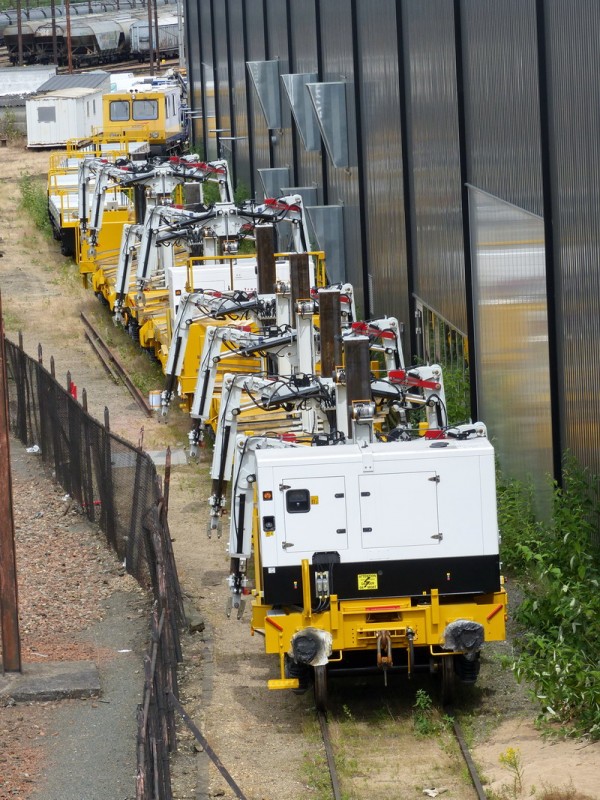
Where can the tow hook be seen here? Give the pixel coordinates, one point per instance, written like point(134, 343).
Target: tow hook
point(384, 652)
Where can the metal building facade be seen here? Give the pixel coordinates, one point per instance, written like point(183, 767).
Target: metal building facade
point(456, 139)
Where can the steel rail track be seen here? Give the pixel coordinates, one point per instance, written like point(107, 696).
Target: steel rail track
point(333, 774)
point(113, 365)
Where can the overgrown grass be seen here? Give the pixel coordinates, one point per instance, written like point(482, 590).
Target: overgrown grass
point(8, 126)
point(559, 562)
point(34, 201)
point(458, 393)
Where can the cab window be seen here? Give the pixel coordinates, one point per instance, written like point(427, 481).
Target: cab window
point(119, 110)
point(145, 109)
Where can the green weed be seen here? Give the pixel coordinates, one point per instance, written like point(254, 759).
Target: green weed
point(424, 719)
point(8, 126)
point(34, 200)
point(559, 648)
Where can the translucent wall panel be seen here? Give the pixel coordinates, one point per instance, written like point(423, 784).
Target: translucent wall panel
point(437, 257)
point(511, 333)
point(573, 63)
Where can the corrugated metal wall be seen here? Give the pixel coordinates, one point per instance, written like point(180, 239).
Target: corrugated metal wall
point(434, 158)
point(502, 100)
point(379, 79)
point(222, 77)
point(304, 59)
point(256, 51)
point(241, 144)
point(451, 90)
point(503, 147)
point(194, 56)
point(278, 50)
point(342, 184)
point(573, 67)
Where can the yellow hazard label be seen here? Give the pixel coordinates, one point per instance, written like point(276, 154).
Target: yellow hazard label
point(367, 581)
point(314, 499)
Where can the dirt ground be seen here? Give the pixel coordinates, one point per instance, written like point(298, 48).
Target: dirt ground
point(264, 738)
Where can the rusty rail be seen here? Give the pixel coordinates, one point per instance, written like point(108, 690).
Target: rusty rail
point(113, 365)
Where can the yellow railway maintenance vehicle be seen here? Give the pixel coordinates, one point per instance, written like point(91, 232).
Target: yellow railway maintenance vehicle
point(227, 287)
point(368, 554)
point(152, 110)
point(139, 186)
point(64, 194)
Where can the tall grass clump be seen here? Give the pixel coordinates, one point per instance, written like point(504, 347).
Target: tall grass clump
point(34, 200)
point(558, 652)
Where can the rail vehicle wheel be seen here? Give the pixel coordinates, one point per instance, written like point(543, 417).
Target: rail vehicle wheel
point(320, 678)
point(448, 677)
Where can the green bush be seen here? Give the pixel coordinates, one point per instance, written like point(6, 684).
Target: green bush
point(559, 650)
point(8, 126)
point(34, 200)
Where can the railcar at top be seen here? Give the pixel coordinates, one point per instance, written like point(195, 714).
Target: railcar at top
point(10, 16)
point(97, 38)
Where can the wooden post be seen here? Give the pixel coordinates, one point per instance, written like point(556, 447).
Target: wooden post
point(150, 38)
point(19, 34)
point(9, 603)
point(54, 48)
point(68, 21)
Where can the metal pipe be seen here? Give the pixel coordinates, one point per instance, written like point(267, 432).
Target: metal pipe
point(265, 257)
point(299, 278)
point(330, 327)
point(358, 372)
point(9, 601)
point(150, 39)
point(68, 21)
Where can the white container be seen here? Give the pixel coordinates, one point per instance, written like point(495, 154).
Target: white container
point(55, 117)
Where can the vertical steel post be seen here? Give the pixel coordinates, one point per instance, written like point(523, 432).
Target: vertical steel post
point(150, 40)
point(68, 21)
point(299, 278)
point(54, 48)
point(265, 257)
point(9, 601)
point(19, 34)
point(330, 328)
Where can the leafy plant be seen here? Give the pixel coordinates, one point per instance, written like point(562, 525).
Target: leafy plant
point(34, 200)
point(424, 720)
point(457, 387)
point(559, 650)
point(511, 759)
point(8, 126)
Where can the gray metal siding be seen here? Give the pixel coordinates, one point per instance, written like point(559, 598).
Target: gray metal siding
point(194, 66)
point(342, 186)
point(255, 25)
point(239, 93)
point(277, 34)
point(434, 159)
point(383, 196)
point(503, 139)
point(221, 55)
point(207, 76)
point(501, 100)
point(573, 52)
point(304, 58)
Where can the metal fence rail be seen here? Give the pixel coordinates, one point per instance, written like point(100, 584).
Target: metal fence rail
point(118, 488)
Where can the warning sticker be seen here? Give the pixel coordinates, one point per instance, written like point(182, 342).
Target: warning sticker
point(367, 582)
point(314, 499)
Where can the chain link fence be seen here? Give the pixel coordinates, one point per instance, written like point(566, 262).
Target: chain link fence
point(118, 487)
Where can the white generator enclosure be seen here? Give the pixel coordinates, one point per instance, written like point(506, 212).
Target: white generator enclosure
point(56, 117)
point(387, 519)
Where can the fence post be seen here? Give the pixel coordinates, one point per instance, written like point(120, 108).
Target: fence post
point(9, 602)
